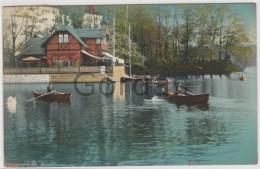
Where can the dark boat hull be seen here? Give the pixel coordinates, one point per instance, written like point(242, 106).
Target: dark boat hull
point(155, 83)
point(125, 79)
point(52, 97)
point(188, 99)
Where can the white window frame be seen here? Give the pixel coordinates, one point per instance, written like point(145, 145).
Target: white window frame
point(65, 38)
point(98, 41)
point(61, 38)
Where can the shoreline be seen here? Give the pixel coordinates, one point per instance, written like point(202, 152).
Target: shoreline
point(66, 77)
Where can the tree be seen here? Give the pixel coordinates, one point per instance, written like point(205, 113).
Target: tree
point(75, 14)
point(15, 28)
point(202, 21)
point(235, 38)
point(221, 12)
point(188, 15)
point(123, 52)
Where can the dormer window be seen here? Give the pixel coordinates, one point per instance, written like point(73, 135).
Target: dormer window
point(66, 38)
point(63, 38)
point(60, 38)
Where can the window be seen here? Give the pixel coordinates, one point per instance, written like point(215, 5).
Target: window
point(60, 38)
point(66, 38)
point(63, 38)
point(104, 41)
point(97, 41)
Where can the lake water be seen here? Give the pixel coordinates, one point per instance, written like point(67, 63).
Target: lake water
point(127, 128)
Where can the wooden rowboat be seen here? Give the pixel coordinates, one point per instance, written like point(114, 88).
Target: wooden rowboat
point(155, 83)
point(186, 97)
point(54, 96)
point(242, 78)
point(135, 78)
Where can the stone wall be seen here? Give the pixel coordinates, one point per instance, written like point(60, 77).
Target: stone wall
point(80, 77)
point(29, 78)
point(118, 72)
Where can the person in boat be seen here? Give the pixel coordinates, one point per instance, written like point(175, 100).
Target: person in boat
point(50, 88)
point(154, 80)
point(168, 80)
point(179, 90)
point(147, 76)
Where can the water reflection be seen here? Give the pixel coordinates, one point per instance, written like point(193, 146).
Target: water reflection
point(205, 131)
point(11, 104)
point(127, 128)
point(119, 91)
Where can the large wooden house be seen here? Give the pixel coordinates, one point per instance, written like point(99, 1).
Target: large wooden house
point(69, 47)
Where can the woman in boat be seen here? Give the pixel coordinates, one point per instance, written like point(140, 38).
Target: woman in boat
point(50, 88)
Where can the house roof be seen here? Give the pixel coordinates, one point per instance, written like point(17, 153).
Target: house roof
point(34, 46)
point(90, 33)
point(73, 32)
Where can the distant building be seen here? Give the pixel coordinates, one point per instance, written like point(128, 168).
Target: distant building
point(92, 18)
point(69, 47)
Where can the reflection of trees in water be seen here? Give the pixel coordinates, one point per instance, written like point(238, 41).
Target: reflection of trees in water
point(205, 131)
point(11, 136)
point(109, 137)
point(65, 143)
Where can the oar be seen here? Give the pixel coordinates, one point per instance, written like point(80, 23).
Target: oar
point(58, 92)
point(39, 96)
point(187, 92)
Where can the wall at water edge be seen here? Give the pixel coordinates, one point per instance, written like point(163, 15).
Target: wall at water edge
point(28, 78)
point(55, 78)
point(118, 72)
point(80, 77)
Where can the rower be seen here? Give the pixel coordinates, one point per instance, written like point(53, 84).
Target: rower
point(179, 90)
point(50, 88)
point(154, 80)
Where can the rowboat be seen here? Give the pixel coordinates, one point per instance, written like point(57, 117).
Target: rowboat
point(133, 78)
point(186, 97)
point(53, 96)
point(125, 79)
point(161, 82)
point(242, 78)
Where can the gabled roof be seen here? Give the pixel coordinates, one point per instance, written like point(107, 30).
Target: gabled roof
point(33, 46)
point(90, 33)
point(73, 32)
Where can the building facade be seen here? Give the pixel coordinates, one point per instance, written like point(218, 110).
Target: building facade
point(68, 47)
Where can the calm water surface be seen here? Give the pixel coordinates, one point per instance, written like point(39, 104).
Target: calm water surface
point(125, 127)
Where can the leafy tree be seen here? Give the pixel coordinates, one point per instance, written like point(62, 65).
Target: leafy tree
point(75, 14)
point(188, 15)
point(123, 52)
point(235, 38)
point(14, 23)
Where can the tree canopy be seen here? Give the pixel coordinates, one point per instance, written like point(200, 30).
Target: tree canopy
point(161, 34)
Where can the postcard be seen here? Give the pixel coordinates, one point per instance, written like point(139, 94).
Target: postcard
point(124, 85)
